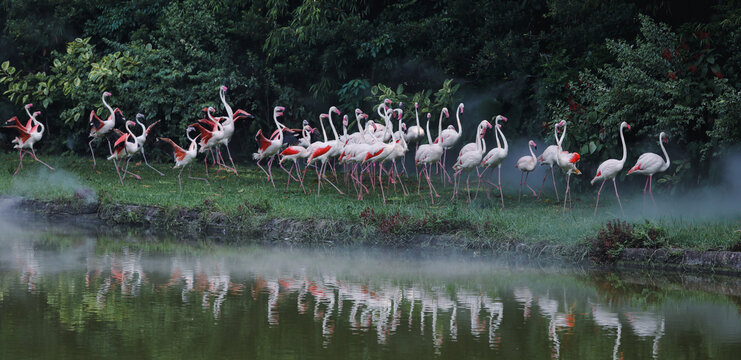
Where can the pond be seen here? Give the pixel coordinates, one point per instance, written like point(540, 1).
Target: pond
point(71, 292)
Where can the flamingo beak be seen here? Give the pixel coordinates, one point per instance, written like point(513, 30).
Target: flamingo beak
point(365, 116)
point(628, 126)
point(224, 88)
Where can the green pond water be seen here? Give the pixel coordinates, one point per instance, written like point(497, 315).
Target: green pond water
point(71, 293)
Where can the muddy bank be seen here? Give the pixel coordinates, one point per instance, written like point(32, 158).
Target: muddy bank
point(253, 225)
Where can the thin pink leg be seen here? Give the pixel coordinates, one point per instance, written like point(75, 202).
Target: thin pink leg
point(270, 170)
point(522, 174)
point(196, 178)
point(529, 187)
point(598, 194)
point(95, 164)
point(262, 168)
point(501, 194)
point(650, 185)
point(33, 152)
point(228, 152)
point(288, 182)
point(614, 183)
point(20, 164)
point(180, 182)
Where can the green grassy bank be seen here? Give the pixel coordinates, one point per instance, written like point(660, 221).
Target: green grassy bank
point(249, 195)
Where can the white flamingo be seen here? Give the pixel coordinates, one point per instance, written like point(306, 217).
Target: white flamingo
point(270, 147)
point(526, 164)
point(609, 169)
point(548, 157)
point(184, 157)
point(565, 160)
point(143, 139)
point(450, 136)
point(123, 148)
point(496, 155)
point(650, 164)
point(415, 133)
point(100, 127)
point(469, 159)
point(430, 153)
point(27, 137)
point(296, 152)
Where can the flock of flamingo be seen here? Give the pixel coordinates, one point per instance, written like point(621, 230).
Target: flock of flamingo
point(366, 152)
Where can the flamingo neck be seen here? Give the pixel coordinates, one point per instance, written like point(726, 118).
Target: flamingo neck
point(458, 118)
point(483, 146)
point(229, 112)
point(277, 125)
point(531, 152)
point(496, 133)
point(110, 109)
point(504, 140)
point(321, 123)
point(440, 128)
point(560, 141)
point(29, 114)
point(331, 124)
point(666, 163)
point(416, 114)
point(478, 139)
point(429, 137)
point(625, 148)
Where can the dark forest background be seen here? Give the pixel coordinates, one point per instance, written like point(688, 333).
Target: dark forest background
point(660, 65)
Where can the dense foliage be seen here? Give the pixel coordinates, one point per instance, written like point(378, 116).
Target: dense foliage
point(662, 66)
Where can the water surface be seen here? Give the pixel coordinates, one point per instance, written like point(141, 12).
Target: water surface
point(70, 293)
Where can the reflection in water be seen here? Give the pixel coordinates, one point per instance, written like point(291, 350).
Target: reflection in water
point(444, 312)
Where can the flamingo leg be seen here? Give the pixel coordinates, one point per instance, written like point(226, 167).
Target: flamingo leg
point(380, 183)
point(126, 170)
point(205, 162)
point(115, 164)
point(289, 174)
point(419, 179)
point(468, 187)
point(33, 152)
point(614, 183)
point(598, 194)
point(196, 178)
point(553, 177)
point(270, 170)
point(95, 164)
point(519, 194)
point(180, 182)
point(262, 168)
point(455, 185)
point(566, 194)
point(150, 166)
point(501, 194)
point(644, 190)
point(20, 164)
point(650, 185)
point(228, 152)
point(529, 187)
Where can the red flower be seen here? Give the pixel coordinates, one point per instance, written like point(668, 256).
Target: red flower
point(718, 75)
point(671, 75)
point(693, 68)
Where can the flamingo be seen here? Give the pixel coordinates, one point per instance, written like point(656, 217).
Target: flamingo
point(321, 151)
point(526, 164)
point(209, 138)
point(450, 136)
point(29, 124)
point(229, 122)
point(496, 156)
point(415, 133)
point(650, 164)
point(609, 169)
point(469, 159)
point(430, 153)
point(380, 151)
point(100, 127)
point(270, 147)
point(565, 160)
point(124, 148)
point(356, 148)
point(143, 138)
point(296, 152)
point(184, 157)
point(548, 157)
point(27, 137)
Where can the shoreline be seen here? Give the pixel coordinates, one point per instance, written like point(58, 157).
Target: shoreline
point(191, 224)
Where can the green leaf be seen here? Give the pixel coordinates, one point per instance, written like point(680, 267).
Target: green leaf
point(592, 147)
point(5, 65)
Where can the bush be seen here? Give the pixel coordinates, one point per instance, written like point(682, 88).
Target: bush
point(616, 235)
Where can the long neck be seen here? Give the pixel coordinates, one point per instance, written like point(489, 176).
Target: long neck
point(555, 134)
point(144, 129)
point(416, 114)
point(496, 133)
point(331, 124)
point(29, 113)
point(110, 109)
point(440, 127)
point(458, 118)
point(277, 125)
point(483, 145)
point(625, 149)
point(504, 140)
point(344, 130)
point(661, 143)
point(321, 123)
point(478, 139)
point(228, 108)
point(531, 152)
point(429, 137)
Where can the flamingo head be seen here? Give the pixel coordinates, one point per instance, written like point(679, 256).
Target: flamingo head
point(365, 116)
point(224, 88)
point(107, 94)
point(663, 135)
point(387, 101)
point(461, 107)
point(499, 126)
point(37, 113)
point(625, 124)
point(358, 112)
point(139, 116)
point(561, 123)
point(416, 105)
point(345, 121)
point(28, 106)
point(322, 116)
point(210, 109)
point(403, 127)
point(335, 110)
point(486, 124)
point(429, 116)
point(501, 118)
point(305, 123)
point(373, 125)
point(278, 111)
point(445, 111)
point(130, 123)
point(533, 144)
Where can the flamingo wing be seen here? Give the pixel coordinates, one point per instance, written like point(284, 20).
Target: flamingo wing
point(262, 140)
point(177, 150)
point(205, 134)
point(291, 150)
point(23, 133)
point(151, 126)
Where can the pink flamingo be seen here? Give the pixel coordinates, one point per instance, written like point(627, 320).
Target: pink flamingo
point(450, 136)
point(430, 153)
point(100, 127)
point(209, 138)
point(469, 159)
point(143, 139)
point(270, 147)
point(566, 160)
point(496, 156)
point(296, 152)
point(184, 157)
point(321, 151)
point(609, 169)
point(650, 164)
point(229, 122)
point(548, 157)
point(123, 148)
point(526, 164)
point(26, 138)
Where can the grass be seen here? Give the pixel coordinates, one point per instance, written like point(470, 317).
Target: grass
point(531, 221)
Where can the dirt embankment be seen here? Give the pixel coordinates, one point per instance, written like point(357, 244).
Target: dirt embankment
point(254, 225)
